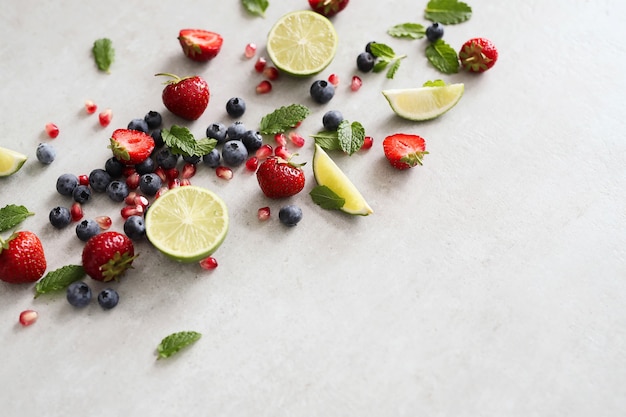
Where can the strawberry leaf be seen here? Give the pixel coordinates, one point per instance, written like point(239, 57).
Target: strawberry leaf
point(326, 198)
point(59, 279)
point(175, 342)
point(11, 215)
point(256, 7)
point(443, 57)
point(283, 118)
point(407, 30)
point(447, 12)
point(103, 53)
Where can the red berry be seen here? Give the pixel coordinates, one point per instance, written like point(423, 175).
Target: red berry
point(404, 151)
point(83, 179)
point(252, 163)
point(52, 130)
point(367, 143)
point(328, 8)
point(296, 139)
point(282, 152)
point(131, 147)
point(333, 79)
point(271, 73)
point(209, 263)
point(264, 87)
point(356, 83)
point(250, 50)
point(76, 212)
point(90, 107)
point(186, 97)
point(22, 259)
point(107, 255)
point(223, 172)
point(478, 55)
point(105, 117)
point(104, 222)
point(189, 170)
point(200, 45)
point(279, 178)
point(264, 152)
point(28, 317)
point(263, 213)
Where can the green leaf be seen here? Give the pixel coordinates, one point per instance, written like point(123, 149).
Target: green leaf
point(380, 65)
point(283, 118)
point(103, 53)
point(11, 215)
point(175, 342)
point(434, 83)
point(328, 139)
point(256, 7)
point(407, 30)
point(204, 146)
point(181, 142)
point(391, 72)
point(326, 198)
point(59, 279)
point(443, 57)
point(351, 136)
point(447, 12)
point(382, 51)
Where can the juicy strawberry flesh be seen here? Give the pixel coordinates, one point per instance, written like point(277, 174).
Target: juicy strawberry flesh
point(404, 151)
point(108, 255)
point(478, 55)
point(22, 259)
point(280, 179)
point(131, 146)
point(200, 45)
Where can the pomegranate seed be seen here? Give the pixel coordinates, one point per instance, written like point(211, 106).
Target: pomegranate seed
point(189, 170)
point(28, 317)
point(172, 174)
point(52, 130)
point(264, 87)
point(260, 64)
point(173, 183)
point(296, 139)
point(282, 152)
point(105, 117)
point(160, 192)
point(83, 179)
point(252, 163)
point(161, 173)
point(367, 143)
point(280, 139)
point(250, 50)
point(333, 79)
point(271, 73)
point(140, 200)
point(297, 124)
point(184, 182)
point(132, 181)
point(356, 83)
point(76, 212)
point(263, 213)
point(130, 198)
point(264, 152)
point(223, 172)
point(127, 171)
point(104, 222)
point(128, 211)
point(209, 263)
point(90, 107)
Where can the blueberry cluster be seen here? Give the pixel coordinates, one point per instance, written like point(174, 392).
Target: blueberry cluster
point(79, 294)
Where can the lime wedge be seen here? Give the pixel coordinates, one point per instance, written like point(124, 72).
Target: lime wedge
point(187, 223)
point(327, 173)
point(10, 161)
point(302, 43)
point(424, 103)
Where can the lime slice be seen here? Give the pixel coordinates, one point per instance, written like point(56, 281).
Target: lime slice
point(302, 43)
point(424, 103)
point(327, 173)
point(10, 161)
point(187, 223)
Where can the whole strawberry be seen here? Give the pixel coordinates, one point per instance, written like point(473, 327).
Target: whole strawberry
point(404, 151)
point(22, 258)
point(131, 147)
point(478, 55)
point(106, 256)
point(328, 8)
point(200, 45)
point(186, 97)
point(279, 178)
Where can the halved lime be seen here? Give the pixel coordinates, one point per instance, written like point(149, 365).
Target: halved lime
point(10, 161)
point(424, 103)
point(327, 173)
point(302, 43)
point(187, 223)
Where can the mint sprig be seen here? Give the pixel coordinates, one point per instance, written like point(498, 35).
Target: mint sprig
point(181, 142)
point(348, 137)
point(447, 12)
point(59, 279)
point(283, 118)
point(103, 53)
point(407, 30)
point(434, 83)
point(443, 57)
point(256, 7)
point(175, 342)
point(326, 198)
point(11, 215)
point(386, 57)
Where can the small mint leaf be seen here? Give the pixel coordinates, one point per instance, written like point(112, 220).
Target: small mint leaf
point(447, 12)
point(443, 57)
point(180, 140)
point(175, 342)
point(382, 51)
point(59, 279)
point(391, 72)
point(11, 215)
point(434, 83)
point(407, 30)
point(204, 146)
point(283, 119)
point(103, 53)
point(380, 65)
point(326, 198)
point(351, 136)
point(256, 7)
point(328, 140)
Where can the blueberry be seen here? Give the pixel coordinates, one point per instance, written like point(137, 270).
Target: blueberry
point(114, 167)
point(368, 47)
point(78, 294)
point(145, 166)
point(150, 183)
point(153, 119)
point(212, 159)
point(290, 215)
point(217, 131)
point(117, 190)
point(99, 179)
point(45, 153)
point(66, 183)
point(192, 159)
point(332, 119)
point(434, 32)
point(236, 131)
point(108, 298)
point(234, 153)
point(81, 194)
point(235, 107)
point(166, 159)
point(322, 91)
point(252, 140)
point(60, 217)
point(158, 138)
point(365, 61)
point(139, 124)
point(86, 229)
point(134, 227)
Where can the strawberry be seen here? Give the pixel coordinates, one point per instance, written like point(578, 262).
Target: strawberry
point(108, 255)
point(404, 151)
point(279, 178)
point(131, 147)
point(328, 8)
point(478, 55)
point(186, 97)
point(200, 45)
point(22, 259)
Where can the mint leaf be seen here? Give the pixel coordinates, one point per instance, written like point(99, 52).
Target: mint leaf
point(181, 142)
point(407, 30)
point(382, 51)
point(326, 198)
point(351, 136)
point(204, 146)
point(256, 7)
point(103, 53)
point(434, 83)
point(385, 55)
point(59, 279)
point(283, 118)
point(175, 342)
point(447, 12)
point(11, 215)
point(391, 72)
point(328, 139)
point(380, 65)
point(443, 57)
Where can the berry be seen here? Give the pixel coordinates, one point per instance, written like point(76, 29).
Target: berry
point(108, 255)
point(52, 130)
point(134, 227)
point(260, 64)
point(236, 130)
point(114, 167)
point(217, 131)
point(150, 183)
point(186, 97)
point(90, 107)
point(234, 153)
point(28, 317)
point(105, 117)
point(328, 8)
point(60, 217)
point(279, 178)
point(117, 190)
point(45, 153)
point(146, 166)
point(83, 179)
point(332, 119)
point(263, 213)
point(404, 151)
point(22, 259)
point(212, 159)
point(76, 211)
point(200, 45)
point(235, 107)
point(478, 55)
point(356, 83)
point(153, 119)
point(166, 159)
point(192, 159)
point(264, 87)
point(224, 173)
point(66, 184)
point(252, 163)
point(290, 215)
point(434, 32)
point(322, 91)
point(86, 229)
point(99, 179)
point(368, 48)
point(252, 140)
point(81, 194)
point(131, 147)
point(138, 124)
point(250, 50)
point(157, 136)
point(78, 294)
point(333, 79)
point(108, 298)
point(365, 61)
point(271, 73)
point(209, 263)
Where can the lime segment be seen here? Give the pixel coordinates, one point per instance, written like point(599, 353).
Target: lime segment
point(327, 173)
point(424, 103)
point(187, 223)
point(302, 43)
point(10, 161)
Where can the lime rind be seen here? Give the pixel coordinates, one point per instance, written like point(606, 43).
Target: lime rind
point(10, 161)
point(424, 103)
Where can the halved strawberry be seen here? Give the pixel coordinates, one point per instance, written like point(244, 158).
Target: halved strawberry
point(404, 151)
point(200, 45)
point(328, 8)
point(131, 147)
point(478, 55)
